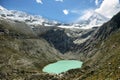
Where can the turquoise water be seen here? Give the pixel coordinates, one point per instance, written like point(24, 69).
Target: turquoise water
point(62, 66)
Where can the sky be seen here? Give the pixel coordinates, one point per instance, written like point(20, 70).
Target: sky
point(66, 11)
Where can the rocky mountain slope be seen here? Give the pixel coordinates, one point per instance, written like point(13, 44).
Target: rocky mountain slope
point(68, 35)
point(106, 60)
point(22, 50)
point(103, 60)
point(102, 54)
point(101, 34)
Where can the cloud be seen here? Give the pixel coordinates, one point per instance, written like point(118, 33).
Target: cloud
point(75, 11)
point(96, 2)
point(39, 1)
point(109, 8)
point(86, 14)
point(59, 0)
point(65, 11)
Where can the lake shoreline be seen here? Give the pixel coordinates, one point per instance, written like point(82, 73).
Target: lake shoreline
point(62, 66)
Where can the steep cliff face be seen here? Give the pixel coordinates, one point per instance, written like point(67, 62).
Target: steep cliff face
point(66, 40)
point(59, 39)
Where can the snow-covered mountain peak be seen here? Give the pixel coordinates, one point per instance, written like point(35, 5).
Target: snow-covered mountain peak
point(97, 16)
point(32, 20)
point(19, 13)
point(92, 15)
point(2, 8)
point(92, 19)
point(87, 21)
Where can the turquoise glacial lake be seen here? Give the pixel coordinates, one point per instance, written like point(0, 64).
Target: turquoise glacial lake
point(62, 66)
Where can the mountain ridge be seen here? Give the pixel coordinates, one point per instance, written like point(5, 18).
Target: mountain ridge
point(92, 19)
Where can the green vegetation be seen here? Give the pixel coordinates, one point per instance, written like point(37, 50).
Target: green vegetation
point(105, 64)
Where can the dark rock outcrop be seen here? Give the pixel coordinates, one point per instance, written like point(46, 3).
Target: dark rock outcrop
point(59, 39)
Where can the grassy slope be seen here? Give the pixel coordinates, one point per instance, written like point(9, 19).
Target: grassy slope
point(23, 54)
point(105, 65)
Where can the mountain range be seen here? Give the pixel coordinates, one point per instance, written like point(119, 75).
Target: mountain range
point(93, 20)
point(28, 43)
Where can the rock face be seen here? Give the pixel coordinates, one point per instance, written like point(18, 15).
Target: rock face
point(66, 40)
point(59, 40)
